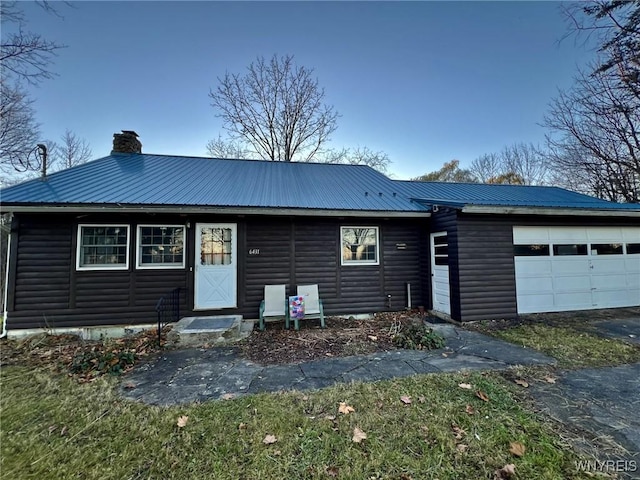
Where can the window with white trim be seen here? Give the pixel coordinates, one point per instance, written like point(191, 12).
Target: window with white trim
point(103, 247)
point(359, 245)
point(160, 246)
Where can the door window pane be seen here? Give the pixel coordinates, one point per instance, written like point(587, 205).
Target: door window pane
point(215, 246)
point(569, 249)
point(531, 250)
point(606, 249)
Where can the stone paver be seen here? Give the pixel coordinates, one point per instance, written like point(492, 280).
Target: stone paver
point(184, 376)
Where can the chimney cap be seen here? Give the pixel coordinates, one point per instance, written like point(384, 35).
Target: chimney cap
point(130, 132)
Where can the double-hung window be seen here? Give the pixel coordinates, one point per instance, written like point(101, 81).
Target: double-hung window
point(359, 245)
point(160, 246)
point(103, 247)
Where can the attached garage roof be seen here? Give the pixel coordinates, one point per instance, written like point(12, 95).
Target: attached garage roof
point(480, 194)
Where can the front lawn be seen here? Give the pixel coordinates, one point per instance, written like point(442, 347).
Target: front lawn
point(427, 426)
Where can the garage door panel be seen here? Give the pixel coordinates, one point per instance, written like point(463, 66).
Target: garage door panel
point(575, 281)
point(569, 266)
point(571, 283)
point(573, 300)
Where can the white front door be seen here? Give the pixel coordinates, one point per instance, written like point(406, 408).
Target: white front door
point(440, 273)
point(216, 266)
point(576, 268)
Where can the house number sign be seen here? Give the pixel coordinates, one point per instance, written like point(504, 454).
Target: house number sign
point(254, 251)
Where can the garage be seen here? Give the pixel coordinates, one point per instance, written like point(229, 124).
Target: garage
point(576, 268)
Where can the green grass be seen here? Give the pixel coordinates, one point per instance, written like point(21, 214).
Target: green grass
point(572, 348)
point(53, 427)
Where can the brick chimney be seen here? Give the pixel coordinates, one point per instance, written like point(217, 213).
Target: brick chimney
point(126, 142)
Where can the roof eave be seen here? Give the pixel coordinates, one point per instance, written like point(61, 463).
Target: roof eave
point(193, 209)
point(565, 211)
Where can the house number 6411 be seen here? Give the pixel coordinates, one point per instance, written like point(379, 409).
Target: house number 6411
point(254, 251)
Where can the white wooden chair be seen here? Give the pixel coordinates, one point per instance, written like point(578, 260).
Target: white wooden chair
point(312, 304)
point(274, 305)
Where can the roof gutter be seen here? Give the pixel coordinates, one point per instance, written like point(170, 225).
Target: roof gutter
point(208, 209)
point(579, 212)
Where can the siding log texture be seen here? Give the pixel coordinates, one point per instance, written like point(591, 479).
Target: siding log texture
point(49, 292)
point(486, 265)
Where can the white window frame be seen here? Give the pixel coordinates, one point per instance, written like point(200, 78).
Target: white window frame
point(118, 266)
point(161, 266)
point(346, 263)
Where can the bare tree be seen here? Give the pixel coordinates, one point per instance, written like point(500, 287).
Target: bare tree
point(357, 156)
point(221, 148)
point(450, 172)
point(25, 57)
point(71, 151)
point(518, 164)
point(595, 135)
point(19, 131)
point(277, 107)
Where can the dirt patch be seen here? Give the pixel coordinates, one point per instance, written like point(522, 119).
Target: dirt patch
point(342, 337)
point(580, 320)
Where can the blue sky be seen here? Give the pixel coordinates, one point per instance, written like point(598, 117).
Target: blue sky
point(426, 82)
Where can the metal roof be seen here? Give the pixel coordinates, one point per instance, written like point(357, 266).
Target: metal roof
point(466, 194)
point(154, 180)
point(172, 182)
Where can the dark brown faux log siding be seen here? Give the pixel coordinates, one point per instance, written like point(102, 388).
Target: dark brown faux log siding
point(445, 220)
point(42, 274)
point(405, 245)
point(292, 251)
point(487, 269)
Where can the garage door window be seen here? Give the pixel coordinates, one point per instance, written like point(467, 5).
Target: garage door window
point(533, 250)
point(633, 248)
point(606, 249)
point(564, 250)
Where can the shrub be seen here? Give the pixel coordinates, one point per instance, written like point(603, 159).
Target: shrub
point(418, 337)
point(98, 361)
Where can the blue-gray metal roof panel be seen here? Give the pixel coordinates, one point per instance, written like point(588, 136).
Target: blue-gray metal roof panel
point(481, 194)
point(144, 179)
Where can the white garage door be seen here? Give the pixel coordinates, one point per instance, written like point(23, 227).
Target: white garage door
point(576, 268)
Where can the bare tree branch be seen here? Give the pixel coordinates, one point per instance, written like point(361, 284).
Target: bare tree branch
point(277, 108)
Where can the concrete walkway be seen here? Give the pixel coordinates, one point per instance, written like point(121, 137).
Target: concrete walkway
point(184, 376)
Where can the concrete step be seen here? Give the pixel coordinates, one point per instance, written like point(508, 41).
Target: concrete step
point(209, 330)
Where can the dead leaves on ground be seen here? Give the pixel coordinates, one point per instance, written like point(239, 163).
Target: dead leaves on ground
point(521, 382)
point(505, 473)
point(358, 435)
point(517, 449)
point(482, 396)
point(345, 409)
point(182, 421)
point(269, 439)
point(405, 399)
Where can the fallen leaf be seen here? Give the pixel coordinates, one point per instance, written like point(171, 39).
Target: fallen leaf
point(405, 399)
point(466, 386)
point(422, 399)
point(330, 417)
point(373, 338)
point(470, 410)
point(550, 379)
point(182, 420)
point(305, 398)
point(228, 396)
point(277, 453)
point(358, 435)
point(332, 471)
point(345, 409)
point(242, 426)
point(63, 431)
point(482, 396)
point(505, 472)
point(458, 432)
point(379, 405)
point(129, 386)
point(521, 382)
point(269, 439)
point(405, 476)
point(461, 447)
point(517, 449)
point(424, 428)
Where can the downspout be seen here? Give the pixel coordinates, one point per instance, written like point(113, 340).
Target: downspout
point(6, 289)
